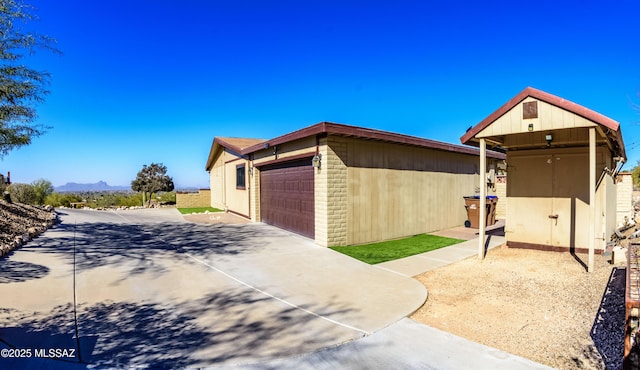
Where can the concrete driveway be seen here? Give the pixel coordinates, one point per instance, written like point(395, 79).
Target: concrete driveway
point(154, 291)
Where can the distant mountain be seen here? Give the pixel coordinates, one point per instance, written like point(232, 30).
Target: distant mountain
point(98, 186)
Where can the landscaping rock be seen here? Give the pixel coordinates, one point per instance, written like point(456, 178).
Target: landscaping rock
point(20, 223)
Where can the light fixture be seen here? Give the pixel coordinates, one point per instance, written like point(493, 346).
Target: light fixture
point(530, 127)
point(315, 161)
point(548, 138)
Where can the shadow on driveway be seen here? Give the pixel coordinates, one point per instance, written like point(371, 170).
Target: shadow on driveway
point(154, 335)
point(100, 244)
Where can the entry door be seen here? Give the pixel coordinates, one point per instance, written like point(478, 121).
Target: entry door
point(548, 199)
point(529, 199)
point(570, 201)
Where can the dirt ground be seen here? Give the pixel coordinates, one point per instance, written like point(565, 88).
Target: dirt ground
point(540, 305)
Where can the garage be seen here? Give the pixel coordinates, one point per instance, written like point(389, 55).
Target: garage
point(287, 196)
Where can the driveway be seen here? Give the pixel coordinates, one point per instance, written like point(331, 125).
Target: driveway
point(147, 289)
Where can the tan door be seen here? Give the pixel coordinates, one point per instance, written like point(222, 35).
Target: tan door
point(570, 215)
point(529, 199)
point(548, 199)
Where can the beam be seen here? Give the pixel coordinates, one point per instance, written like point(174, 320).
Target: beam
point(592, 197)
point(483, 198)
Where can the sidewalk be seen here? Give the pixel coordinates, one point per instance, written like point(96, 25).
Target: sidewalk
point(420, 263)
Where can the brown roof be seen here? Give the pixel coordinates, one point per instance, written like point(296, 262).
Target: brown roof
point(248, 146)
point(367, 133)
point(553, 100)
point(235, 144)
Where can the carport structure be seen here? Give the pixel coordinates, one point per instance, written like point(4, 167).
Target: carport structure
point(562, 159)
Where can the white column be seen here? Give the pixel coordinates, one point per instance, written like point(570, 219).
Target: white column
point(592, 197)
point(483, 198)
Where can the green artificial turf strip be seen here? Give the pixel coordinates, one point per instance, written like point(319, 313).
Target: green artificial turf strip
point(395, 249)
point(186, 211)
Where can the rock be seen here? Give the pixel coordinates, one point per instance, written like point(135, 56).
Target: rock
point(19, 223)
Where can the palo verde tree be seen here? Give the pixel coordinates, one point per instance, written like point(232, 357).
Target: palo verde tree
point(152, 179)
point(21, 87)
point(42, 188)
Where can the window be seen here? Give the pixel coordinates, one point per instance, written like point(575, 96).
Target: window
point(240, 184)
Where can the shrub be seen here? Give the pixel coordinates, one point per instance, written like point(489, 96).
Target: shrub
point(22, 193)
point(61, 200)
point(42, 189)
point(168, 197)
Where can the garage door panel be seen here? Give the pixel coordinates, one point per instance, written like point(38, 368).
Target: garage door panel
point(287, 197)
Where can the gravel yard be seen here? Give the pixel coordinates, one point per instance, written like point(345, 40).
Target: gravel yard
point(540, 305)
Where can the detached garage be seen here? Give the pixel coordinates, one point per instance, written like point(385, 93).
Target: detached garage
point(344, 185)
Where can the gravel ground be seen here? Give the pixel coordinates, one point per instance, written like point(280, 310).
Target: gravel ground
point(540, 305)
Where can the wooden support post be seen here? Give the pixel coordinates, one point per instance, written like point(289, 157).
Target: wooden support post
point(483, 198)
point(592, 197)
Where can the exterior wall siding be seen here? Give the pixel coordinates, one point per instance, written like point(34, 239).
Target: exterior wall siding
point(396, 191)
point(549, 118)
point(190, 200)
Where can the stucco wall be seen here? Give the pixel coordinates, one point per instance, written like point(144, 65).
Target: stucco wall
point(236, 199)
point(222, 182)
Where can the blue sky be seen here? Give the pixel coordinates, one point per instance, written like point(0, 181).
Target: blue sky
point(155, 81)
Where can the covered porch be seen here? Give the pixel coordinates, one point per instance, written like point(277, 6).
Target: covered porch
point(562, 161)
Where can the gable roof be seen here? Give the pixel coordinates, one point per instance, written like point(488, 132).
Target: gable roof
point(234, 144)
point(567, 105)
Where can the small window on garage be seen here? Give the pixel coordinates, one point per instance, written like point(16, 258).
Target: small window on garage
point(240, 180)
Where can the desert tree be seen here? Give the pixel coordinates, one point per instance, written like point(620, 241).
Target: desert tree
point(42, 188)
point(21, 87)
point(152, 179)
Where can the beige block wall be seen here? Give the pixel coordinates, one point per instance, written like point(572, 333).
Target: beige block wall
point(624, 201)
point(331, 193)
point(190, 200)
point(254, 194)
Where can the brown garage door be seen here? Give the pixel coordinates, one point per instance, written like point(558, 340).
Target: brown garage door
point(287, 198)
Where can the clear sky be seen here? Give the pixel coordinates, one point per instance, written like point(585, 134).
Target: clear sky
point(155, 81)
